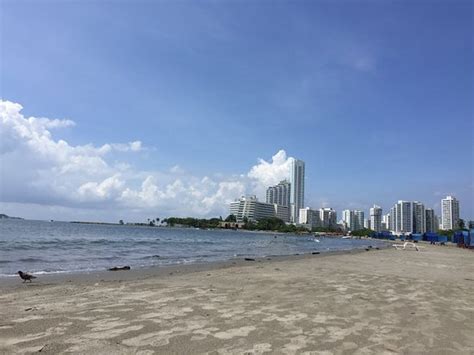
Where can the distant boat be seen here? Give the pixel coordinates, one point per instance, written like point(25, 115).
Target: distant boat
point(347, 237)
point(317, 240)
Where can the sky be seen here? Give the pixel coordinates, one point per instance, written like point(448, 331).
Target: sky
point(142, 109)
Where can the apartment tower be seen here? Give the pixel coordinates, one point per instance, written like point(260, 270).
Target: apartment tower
point(296, 188)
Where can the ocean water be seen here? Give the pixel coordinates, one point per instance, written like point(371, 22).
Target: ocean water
point(58, 247)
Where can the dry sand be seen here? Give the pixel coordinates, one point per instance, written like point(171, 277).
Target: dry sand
point(376, 302)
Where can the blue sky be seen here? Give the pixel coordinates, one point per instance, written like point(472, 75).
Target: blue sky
point(375, 96)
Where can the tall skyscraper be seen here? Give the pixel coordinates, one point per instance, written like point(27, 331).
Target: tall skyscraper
point(296, 188)
point(419, 217)
point(449, 213)
point(402, 217)
point(376, 218)
point(359, 219)
point(431, 220)
point(279, 194)
point(386, 222)
point(348, 220)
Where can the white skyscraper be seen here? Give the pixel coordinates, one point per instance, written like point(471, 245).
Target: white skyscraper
point(376, 218)
point(296, 188)
point(402, 217)
point(449, 213)
point(386, 222)
point(348, 219)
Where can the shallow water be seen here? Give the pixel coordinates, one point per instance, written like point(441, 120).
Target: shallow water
point(56, 247)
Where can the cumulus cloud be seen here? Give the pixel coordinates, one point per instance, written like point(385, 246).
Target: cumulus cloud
point(272, 172)
point(36, 168)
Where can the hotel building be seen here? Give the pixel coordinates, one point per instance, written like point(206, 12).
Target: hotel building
point(449, 213)
point(250, 207)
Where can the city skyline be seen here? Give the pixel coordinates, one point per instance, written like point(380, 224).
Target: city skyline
point(177, 108)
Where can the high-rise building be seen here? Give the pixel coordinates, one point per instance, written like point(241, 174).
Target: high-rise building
point(282, 212)
point(419, 217)
point(431, 220)
point(402, 217)
point(279, 194)
point(310, 217)
point(297, 168)
point(449, 213)
point(376, 218)
point(251, 208)
point(386, 222)
point(353, 220)
point(359, 219)
point(328, 217)
point(348, 220)
point(367, 223)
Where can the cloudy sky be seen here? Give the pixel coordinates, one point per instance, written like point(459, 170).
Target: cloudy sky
point(142, 109)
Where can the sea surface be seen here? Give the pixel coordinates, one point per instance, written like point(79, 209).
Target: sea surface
point(61, 247)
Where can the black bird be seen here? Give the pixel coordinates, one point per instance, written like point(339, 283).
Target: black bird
point(25, 276)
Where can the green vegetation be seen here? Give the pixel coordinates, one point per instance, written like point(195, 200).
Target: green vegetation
point(363, 233)
point(231, 218)
point(327, 230)
point(448, 233)
point(192, 222)
point(264, 224)
point(272, 224)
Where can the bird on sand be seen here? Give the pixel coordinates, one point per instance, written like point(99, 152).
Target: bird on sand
point(26, 276)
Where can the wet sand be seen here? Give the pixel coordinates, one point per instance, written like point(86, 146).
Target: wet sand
point(376, 302)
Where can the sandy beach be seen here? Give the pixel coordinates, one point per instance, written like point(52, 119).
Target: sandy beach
point(376, 302)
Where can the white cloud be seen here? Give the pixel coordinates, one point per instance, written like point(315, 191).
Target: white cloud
point(39, 169)
point(106, 189)
point(135, 146)
point(267, 173)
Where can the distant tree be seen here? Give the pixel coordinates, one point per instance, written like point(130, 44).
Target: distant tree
point(449, 233)
point(231, 218)
point(461, 223)
point(471, 224)
point(157, 219)
point(121, 221)
point(363, 232)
